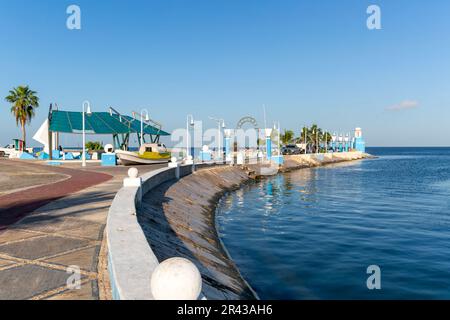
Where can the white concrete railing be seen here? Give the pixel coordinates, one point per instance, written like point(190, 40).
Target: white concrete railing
point(134, 270)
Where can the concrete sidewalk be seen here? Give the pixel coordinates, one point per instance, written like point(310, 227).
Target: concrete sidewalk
point(36, 252)
point(16, 205)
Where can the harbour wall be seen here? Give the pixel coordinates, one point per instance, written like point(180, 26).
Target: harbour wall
point(170, 217)
point(294, 162)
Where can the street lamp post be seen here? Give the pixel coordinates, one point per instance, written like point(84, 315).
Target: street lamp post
point(147, 118)
point(278, 135)
point(86, 110)
point(189, 123)
point(314, 137)
point(317, 141)
point(304, 135)
point(220, 126)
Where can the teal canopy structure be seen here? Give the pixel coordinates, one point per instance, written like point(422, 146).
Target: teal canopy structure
point(112, 122)
point(99, 123)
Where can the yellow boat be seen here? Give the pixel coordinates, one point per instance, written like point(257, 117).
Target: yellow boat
point(149, 153)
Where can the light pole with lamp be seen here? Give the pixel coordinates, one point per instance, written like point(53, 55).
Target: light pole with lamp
point(314, 137)
point(317, 141)
point(220, 126)
point(86, 110)
point(147, 118)
point(189, 123)
point(278, 135)
point(305, 130)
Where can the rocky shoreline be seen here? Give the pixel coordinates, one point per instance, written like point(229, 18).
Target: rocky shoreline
point(316, 160)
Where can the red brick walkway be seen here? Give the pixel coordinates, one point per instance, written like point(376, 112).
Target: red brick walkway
point(17, 205)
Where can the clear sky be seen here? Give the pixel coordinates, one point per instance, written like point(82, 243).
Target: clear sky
point(307, 61)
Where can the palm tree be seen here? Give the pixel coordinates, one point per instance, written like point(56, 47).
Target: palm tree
point(313, 136)
point(24, 101)
point(327, 137)
point(287, 136)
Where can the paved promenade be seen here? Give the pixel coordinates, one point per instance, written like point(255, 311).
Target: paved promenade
point(16, 205)
point(35, 252)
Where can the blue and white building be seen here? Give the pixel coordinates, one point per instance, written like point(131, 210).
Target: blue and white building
point(358, 141)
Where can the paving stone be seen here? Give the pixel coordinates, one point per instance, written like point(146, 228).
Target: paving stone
point(26, 281)
point(51, 224)
point(41, 247)
point(86, 259)
point(14, 235)
point(88, 291)
point(99, 216)
point(15, 206)
point(92, 231)
point(74, 213)
point(75, 206)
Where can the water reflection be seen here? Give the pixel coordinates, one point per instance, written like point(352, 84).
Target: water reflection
point(315, 231)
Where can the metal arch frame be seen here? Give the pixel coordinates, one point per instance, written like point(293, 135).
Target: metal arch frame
point(245, 120)
point(252, 121)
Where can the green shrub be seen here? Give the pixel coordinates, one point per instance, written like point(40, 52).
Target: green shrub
point(94, 145)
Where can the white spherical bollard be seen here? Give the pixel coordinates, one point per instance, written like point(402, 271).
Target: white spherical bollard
point(133, 173)
point(109, 148)
point(176, 279)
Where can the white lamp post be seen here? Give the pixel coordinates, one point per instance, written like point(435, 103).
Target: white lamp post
point(279, 138)
point(314, 138)
point(147, 118)
point(189, 123)
point(87, 110)
point(305, 132)
point(220, 126)
point(278, 135)
point(347, 141)
point(317, 141)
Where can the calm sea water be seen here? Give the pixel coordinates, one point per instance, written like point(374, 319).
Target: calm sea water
point(311, 234)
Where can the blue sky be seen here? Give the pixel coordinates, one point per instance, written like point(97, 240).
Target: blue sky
point(307, 61)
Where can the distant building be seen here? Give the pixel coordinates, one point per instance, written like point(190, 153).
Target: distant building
point(358, 141)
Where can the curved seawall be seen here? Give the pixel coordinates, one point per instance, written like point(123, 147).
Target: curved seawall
point(178, 219)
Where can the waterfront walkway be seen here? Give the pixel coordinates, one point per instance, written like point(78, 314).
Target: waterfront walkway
point(19, 202)
point(35, 252)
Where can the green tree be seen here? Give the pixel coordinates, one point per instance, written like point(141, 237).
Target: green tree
point(314, 137)
point(287, 136)
point(24, 102)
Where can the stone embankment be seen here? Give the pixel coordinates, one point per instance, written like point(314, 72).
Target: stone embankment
point(176, 218)
point(315, 160)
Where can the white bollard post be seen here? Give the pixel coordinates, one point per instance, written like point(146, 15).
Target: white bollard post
point(174, 164)
point(189, 160)
point(240, 158)
point(176, 279)
point(134, 181)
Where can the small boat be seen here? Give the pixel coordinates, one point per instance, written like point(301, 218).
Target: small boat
point(149, 153)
